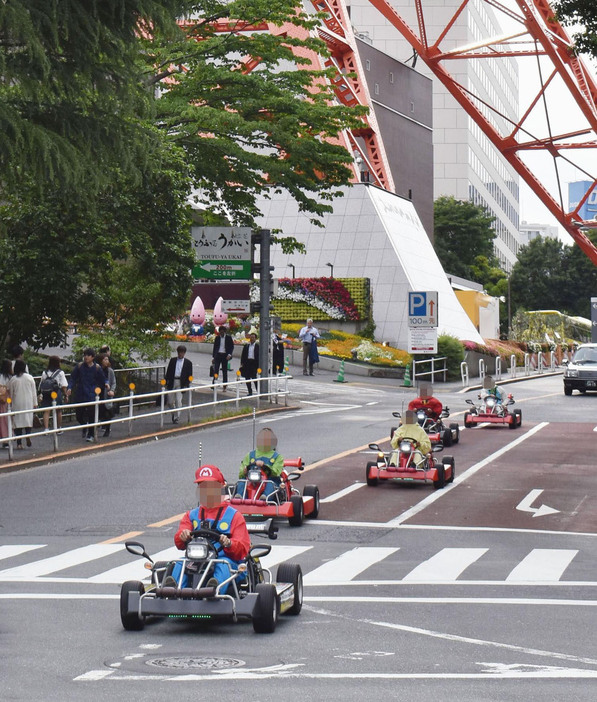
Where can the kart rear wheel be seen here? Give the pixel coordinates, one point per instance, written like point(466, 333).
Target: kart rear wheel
point(267, 609)
point(467, 422)
point(449, 461)
point(298, 511)
point(292, 573)
point(441, 478)
point(372, 482)
point(131, 620)
point(312, 491)
point(454, 427)
point(512, 424)
point(447, 437)
point(518, 415)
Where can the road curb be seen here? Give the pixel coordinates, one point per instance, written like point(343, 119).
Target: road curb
point(508, 381)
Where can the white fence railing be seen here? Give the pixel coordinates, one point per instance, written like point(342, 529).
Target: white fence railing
point(443, 369)
point(544, 364)
point(273, 389)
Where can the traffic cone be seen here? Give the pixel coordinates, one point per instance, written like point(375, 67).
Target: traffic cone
point(407, 383)
point(340, 378)
point(286, 366)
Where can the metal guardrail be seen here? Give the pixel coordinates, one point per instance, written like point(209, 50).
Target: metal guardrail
point(271, 388)
point(529, 368)
point(433, 370)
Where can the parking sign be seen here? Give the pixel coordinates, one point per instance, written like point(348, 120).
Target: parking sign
point(422, 309)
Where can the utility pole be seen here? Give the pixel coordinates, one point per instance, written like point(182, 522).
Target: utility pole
point(263, 269)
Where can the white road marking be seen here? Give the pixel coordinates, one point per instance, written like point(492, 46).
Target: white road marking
point(342, 493)
point(37, 569)
point(446, 565)
point(94, 675)
point(525, 505)
point(543, 565)
point(423, 504)
point(135, 570)
point(9, 551)
point(279, 554)
point(348, 565)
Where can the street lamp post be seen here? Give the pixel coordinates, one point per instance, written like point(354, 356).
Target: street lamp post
point(291, 265)
point(331, 269)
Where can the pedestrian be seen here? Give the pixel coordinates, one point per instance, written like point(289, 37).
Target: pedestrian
point(85, 378)
point(178, 377)
point(216, 514)
point(249, 362)
point(53, 380)
point(307, 334)
point(222, 352)
point(19, 355)
point(24, 398)
point(106, 411)
point(5, 376)
point(277, 353)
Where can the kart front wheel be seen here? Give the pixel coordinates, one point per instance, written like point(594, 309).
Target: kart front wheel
point(441, 478)
point(456, 435)
point(267, 609)
point(449, 461)
point(292, 573)
point(371, 481)
point(312, 491)
point(131, 620)
point(298, 511)
point(467, 420)
point(447, 437)
point(518, 415)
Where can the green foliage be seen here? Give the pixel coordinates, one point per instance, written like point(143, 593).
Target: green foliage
point(246, 132)
point(126, 349)
point(450, 347)
point(463, 232)
point(581, 15)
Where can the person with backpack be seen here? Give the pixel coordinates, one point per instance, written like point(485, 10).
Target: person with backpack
point(52, 380)
point(85, 378)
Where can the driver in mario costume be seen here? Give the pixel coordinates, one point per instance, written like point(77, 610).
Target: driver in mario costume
point(426, 401)
point(213, 513)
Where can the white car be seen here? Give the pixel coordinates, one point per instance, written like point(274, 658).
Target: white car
point(581, 371)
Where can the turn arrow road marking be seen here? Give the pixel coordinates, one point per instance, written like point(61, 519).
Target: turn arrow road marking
point(525, 505)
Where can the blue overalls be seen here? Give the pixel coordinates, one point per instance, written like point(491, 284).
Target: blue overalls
point(272, 483)
point(221, 524)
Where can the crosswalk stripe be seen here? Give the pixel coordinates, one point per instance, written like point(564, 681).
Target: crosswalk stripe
point(135, 570)
point(542, 565)
point(281, 553)
point(9, 551)
point(342, 493)
point(348, 565)
point(62, 561)
point(445, 565)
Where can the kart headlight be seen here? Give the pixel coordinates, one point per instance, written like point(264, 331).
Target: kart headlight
point(406, 446)
point(254, 475)
point(421, 417)
point(490, 401)
point(197, 550)
point(571, 373)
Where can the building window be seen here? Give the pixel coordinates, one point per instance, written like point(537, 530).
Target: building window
point(391, 77)
point(412, 106)
point(367, 65)
point(376, 89)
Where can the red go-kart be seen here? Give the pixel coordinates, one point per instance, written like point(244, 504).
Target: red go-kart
point(435, 429)
point(401, 465)
point(285, 501)
point(492, 411)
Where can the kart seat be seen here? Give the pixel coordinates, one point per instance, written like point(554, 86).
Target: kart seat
point(246, 501)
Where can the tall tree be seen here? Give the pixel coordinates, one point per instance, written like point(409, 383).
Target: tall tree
point(462, 232)
point(538, 279)
point(581, 280)
point(249, 127)
point(71, 93)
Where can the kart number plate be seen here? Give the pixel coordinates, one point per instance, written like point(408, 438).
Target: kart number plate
point(590, 383)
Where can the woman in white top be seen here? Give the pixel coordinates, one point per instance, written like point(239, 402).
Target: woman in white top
point(24, 397)
point(53, 375)
point(5, 376)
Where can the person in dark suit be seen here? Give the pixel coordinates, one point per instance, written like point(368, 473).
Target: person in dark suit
point(249, 362)
point(277, 353)
point(222, 353)
point(178, 375)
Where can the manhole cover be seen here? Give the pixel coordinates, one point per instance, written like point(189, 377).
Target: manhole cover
point(191, 663)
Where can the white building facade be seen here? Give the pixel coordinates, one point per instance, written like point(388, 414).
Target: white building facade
point(466, 165)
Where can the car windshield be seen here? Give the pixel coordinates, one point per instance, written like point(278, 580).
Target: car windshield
point(585, 355)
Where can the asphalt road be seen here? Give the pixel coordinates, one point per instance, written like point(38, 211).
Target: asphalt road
point(482, 591)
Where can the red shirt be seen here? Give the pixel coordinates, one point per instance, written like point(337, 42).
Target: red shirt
point(239, 536)
point(431, 405)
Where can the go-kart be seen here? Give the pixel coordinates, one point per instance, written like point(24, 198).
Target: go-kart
point(251, 594)
point(285, 501)
point(435, 428)
point(401, 465)
point(492, 411)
